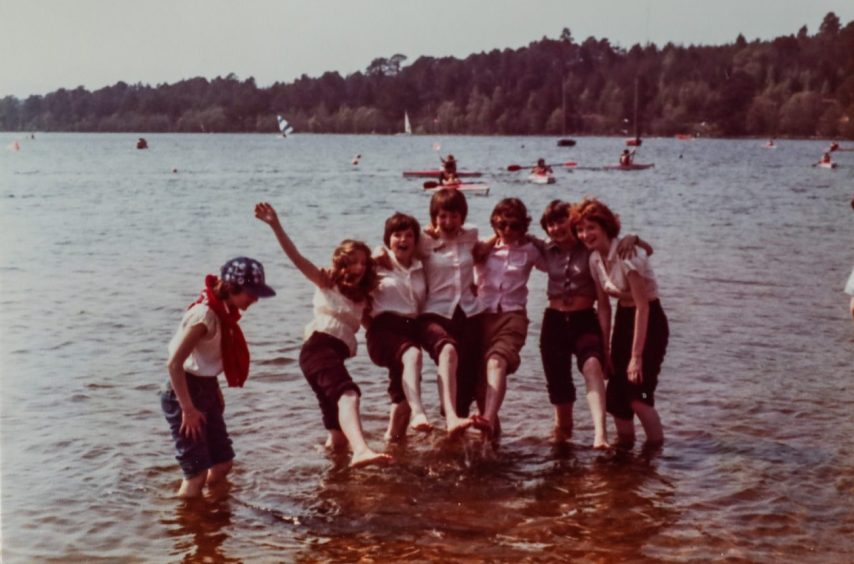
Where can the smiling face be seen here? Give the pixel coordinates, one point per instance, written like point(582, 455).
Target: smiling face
point(509, 229)
point(354, 268)
point(402, 244)
point(449, 222)
point(559, 229)
point(593, 235)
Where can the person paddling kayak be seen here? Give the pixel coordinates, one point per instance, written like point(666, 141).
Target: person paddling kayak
point(626, 157)
point(449, 171)
point(541, 168)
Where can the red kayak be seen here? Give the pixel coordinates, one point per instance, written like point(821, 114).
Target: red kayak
point(633, 166)
point(436, 173)
point(478, 188)
point(634, 142)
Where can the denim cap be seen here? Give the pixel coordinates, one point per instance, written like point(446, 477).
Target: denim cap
point(247, 274)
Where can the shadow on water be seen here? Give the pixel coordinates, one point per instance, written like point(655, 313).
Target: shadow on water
point(468, 501)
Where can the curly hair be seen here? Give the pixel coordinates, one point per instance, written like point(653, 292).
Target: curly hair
point(592, 209)
point(341, 259)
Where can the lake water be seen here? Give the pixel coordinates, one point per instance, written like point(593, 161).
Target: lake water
point(104, 246)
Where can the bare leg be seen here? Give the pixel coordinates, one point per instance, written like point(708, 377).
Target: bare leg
point(398, 419)
point(563, 421)
point(651, 422)
point(412, 362)
point(625, 431)
point(218, 472)
point(496, 388)
point(336, 440)
point(192, 487)
point(594, 380)
point(351, 426)
point(448, 362)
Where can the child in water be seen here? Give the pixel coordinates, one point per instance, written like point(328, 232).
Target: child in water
point(341, 296)
point(207, 342)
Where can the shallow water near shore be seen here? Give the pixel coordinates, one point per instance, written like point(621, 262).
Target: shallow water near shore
point(104, 246)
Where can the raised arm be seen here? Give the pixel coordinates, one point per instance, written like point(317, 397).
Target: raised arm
point(637, 285)
point(266, 213)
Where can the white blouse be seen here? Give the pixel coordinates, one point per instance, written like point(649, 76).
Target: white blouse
point(206, 358)
point(336, 315)
point(612, 273)
point(449, 266)
point(401, 290)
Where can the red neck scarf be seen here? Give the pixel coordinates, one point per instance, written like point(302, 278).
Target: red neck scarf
point(235, 351)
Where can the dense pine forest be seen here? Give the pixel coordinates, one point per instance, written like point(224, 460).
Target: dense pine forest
point(798, 85)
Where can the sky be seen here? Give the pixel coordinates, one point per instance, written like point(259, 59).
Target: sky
point(50, 44)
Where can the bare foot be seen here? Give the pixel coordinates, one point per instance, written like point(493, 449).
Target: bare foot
point(368, 457)
point(601, 443)
point(457, 426)
point(562, 434)
point(420, 423)
point(482, 424)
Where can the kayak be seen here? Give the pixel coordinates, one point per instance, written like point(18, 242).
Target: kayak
point(684, 137)
point(633, 166)
point(541, 178)
point(634, 142)
point(477, 188)
point(827, 165)
point(566, 142)
point(436, 173)
point(767, 146)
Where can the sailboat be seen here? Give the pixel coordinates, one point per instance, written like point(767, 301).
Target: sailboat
point(284, 126)
point(407, 127)
point(636, 141)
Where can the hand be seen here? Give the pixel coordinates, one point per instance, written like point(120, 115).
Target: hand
point(626, 249)
point(432, 231)
point(635, 372)
point(192, 421)
point(382, 260)
point(266, 213)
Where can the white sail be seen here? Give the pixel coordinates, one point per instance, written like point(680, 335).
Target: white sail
point(284, 126)
point(407, 128)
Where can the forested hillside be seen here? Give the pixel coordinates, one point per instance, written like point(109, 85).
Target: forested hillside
point(795, 85)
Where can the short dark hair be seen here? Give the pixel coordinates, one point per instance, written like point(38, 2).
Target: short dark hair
point(448, 199)
point(400, 222)
point(556, 210)
point(511, 207)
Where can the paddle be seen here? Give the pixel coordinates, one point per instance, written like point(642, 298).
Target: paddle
point(515, 167)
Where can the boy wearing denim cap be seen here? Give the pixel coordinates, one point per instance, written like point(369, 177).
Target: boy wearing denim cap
point(209, 341)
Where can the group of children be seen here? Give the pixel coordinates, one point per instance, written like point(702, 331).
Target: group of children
point(462, 300)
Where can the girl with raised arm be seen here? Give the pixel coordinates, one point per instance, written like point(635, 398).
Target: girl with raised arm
point(641, 332)
point(341, 296)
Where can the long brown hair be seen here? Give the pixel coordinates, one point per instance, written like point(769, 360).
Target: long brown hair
point(341, 258)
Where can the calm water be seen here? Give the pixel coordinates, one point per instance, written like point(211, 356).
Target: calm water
point(103, 246)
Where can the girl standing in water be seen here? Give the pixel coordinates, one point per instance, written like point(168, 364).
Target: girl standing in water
point(641, 331)
point(341, 296)
point(393, 334)
point(207, 342)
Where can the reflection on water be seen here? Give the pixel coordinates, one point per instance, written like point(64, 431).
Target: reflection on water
point(104, 246)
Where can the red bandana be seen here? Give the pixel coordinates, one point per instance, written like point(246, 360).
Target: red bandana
point(235, 352)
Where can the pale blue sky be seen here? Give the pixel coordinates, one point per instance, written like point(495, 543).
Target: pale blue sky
point(49, 44)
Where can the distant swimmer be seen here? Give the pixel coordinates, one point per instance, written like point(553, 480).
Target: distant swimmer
point(356, 159)
point(834, 146)
point(14, 146)
point(142, 143)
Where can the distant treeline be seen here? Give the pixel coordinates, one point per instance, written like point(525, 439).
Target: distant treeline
point(795, 85)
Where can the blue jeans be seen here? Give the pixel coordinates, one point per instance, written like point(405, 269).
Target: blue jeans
point(214, 445)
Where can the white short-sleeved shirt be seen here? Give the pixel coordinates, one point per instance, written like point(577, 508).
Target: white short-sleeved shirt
point(401, 290)
point(502, 279)
point(336, 315)
point(612, 274)
point(449, 267)
point(849, 286)
point(206, 358)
